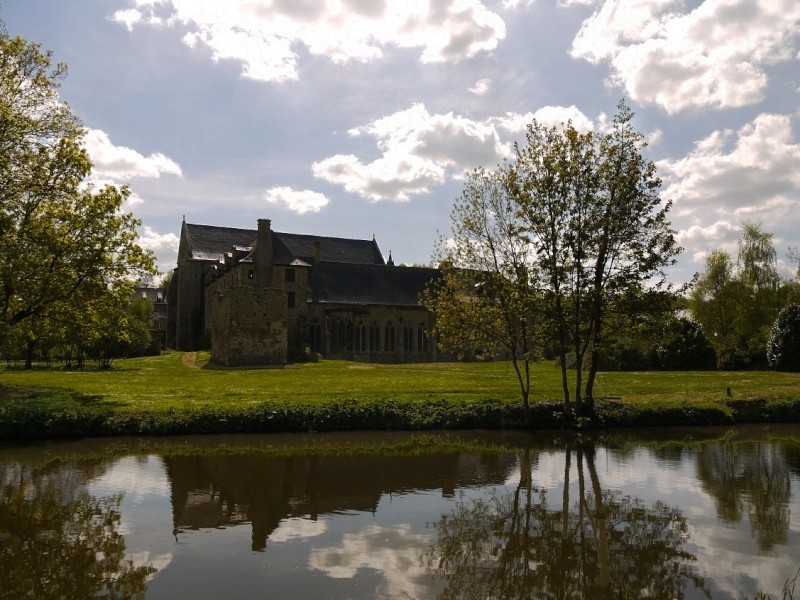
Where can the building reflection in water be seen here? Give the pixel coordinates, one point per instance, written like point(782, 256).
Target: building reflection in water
point(230, 490)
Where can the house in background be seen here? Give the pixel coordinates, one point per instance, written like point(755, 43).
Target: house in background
point(158, 319)
point(265, 297)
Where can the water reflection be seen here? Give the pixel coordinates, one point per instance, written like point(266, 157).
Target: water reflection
point(263, 491)
point(600, 544)
point(749, 478)
point(712, 513)
point(59, 541)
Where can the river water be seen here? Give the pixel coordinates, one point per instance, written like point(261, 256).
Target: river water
point(685, 513)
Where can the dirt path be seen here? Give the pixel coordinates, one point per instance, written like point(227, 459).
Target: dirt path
point(189, 359)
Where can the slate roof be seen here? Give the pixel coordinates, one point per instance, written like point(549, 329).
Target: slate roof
point(210, 242)
point(387, 285)
point(288, 246)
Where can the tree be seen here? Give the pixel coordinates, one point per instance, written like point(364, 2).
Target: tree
point(737, 303)
point(685, 347)
point(483, 300)
point(783, 348)
point(715, 303)
point(599, 231)
point(59, 237)
point(570, 236)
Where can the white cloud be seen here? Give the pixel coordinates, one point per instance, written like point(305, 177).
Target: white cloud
point(300, 201)
point(513, 4)
point(128, 17)
point(549, 116)
point(730, 177)
point(418, 150)
point(699, 239)
point(164, 246)
point(481, 86)
point(394, 552)
point(264, 36)
point(711, 57)
point(120, 163)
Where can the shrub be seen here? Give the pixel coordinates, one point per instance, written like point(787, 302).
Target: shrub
point(783, 347)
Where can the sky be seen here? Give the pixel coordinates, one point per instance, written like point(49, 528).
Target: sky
point(360, 118)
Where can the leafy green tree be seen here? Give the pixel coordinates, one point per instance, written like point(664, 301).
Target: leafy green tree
point(483, 300)
point(599, 231)
point(783, 348)
point(59, 237)
point(737, 303)
point(569, 237)
point(685, 347)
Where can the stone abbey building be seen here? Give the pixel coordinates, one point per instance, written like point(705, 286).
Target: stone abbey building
point(265, 297)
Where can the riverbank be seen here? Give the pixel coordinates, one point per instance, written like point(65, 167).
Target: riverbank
point(182, 393)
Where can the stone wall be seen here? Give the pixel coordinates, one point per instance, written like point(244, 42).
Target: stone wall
point(248, 326)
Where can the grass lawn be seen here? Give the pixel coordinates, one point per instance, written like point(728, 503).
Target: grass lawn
point(182, 392)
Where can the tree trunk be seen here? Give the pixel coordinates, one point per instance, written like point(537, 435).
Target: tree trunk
point(29, 354)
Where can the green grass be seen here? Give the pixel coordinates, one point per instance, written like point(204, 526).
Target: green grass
point(183, 393)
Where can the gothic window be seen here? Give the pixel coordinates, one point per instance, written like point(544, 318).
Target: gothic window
point(360, 337)
point(288, 275)
point(408, 338)
point(388, 338)
point(422, 339)
point(315, 336)
point(290, 299)
point(348, 336)
point(342, 335)
point(374, 337)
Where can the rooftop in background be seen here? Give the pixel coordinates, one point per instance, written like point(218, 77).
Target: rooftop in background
point(210, 242)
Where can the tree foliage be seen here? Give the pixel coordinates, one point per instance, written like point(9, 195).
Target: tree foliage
point(736, 302)
point(61, 239)
point(483, 301)
point(575, 232)
point(783, 348)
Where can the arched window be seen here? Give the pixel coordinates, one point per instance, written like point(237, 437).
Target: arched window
point(341, 335)
point(388, 338)
point(315, 336)
point(408, 338)
point(422, 338)
point(360, 337)
point(374, 337)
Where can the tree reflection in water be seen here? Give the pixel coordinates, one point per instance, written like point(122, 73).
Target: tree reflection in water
point(751, 477)
point(57, 544)
point(599, 545)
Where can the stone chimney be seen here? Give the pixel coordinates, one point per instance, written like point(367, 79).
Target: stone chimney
point(263, 254)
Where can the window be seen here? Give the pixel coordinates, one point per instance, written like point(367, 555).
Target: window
point(251, 274)
point(288, 275)
point(388, 338)
point(315, 336)
point(342, 335)
point(374, 337)
point(408, 339)
point(422, 339)
point(290, 299)
point(360, 337)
